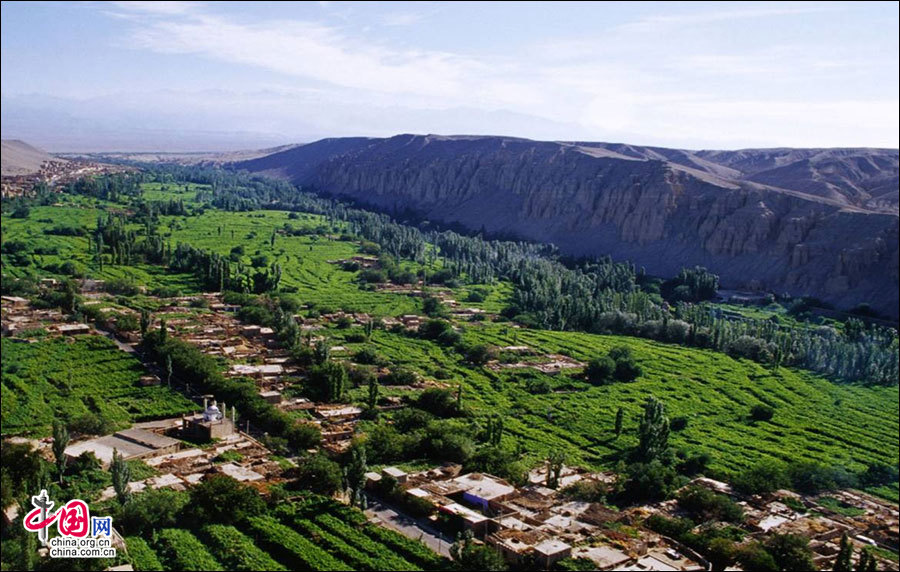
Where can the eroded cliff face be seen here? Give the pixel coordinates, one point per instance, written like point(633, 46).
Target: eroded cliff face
point(661, 211)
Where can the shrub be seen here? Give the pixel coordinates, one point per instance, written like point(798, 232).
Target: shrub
point(122, 287)
point(480, 354)
point(600, 370)
point(537, 386)
point(764, 477)
point(366, 356)
point(762, 412)
point(400, 376)
point(316, 473)
point(223, 500)
point(705, 505)
point(438, 401)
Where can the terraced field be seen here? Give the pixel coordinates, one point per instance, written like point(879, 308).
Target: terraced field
point(815, 419)
point(48, 251)
point(318, 534)
point(308, 261)
point(57, 379)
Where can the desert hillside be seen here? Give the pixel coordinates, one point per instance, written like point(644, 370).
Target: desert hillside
point(820, 222)
point(20, 158)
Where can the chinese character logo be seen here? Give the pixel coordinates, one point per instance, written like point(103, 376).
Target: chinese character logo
point(73, 519)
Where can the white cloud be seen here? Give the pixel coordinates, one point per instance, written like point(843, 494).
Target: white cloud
point(160, 7)
point(402, 18)
point(657, 79)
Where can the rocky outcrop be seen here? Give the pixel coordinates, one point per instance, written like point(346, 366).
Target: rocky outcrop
point(806, 222)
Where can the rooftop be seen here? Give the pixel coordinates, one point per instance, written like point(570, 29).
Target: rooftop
point(484, 486)
point(551, 546)
point(464, 512)
point(147, 438)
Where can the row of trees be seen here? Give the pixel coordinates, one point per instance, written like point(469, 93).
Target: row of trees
point(597, 295)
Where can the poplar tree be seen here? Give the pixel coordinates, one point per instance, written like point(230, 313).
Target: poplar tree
point(60, 442)
point(653, 430)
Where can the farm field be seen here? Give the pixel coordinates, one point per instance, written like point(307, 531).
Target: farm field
point(317, 534)
point(57, 379)
point(815, 419)
point(308, 261)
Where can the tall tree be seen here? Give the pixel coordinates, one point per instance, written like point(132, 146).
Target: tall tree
point(653, 430)
point(373, 393)
point(844, 562)
point(355, 474)
point(169, 370)
point(620, 420)
point(121, 475)
point(791, 552)
point(467, 555)
point(145, 322)
point(555, 463)
point(60, 442)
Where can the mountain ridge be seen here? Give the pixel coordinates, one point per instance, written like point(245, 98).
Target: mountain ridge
point(820, 222)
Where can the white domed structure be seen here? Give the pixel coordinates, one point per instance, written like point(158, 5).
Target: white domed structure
point(212, 413)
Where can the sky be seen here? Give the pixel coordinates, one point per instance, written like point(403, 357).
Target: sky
point(178, 76)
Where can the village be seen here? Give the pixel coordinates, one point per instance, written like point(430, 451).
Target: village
point(530, 525)
point(54, 173)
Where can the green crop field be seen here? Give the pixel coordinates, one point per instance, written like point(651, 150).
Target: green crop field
point(315, 534)
point(304, 259)
point(815, 419)
point(57, 379)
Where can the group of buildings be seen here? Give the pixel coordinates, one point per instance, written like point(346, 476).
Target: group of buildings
point(535, 524)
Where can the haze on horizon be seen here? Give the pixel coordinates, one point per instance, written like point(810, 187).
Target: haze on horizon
point(178, 76)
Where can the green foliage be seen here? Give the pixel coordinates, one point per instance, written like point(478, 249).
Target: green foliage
point(653, 431)
point(790, 552)
point(150, 511)
point(651, 481)
point(762, 412)
point(480, 354)
point(21, 470)
point(141, 556)
point(764, 477)
point(317, 473)
point(298, 552)
point(438, 401)
point(704, 505)
point(223, 500)
point(410, 550)
point(499, 461)
point(326, 382)
point(237, 551)
point(754, 556)
point(60, 442)
point(470, 556)
point(691, 285)
point(90, 379)
point(844, 560)
point(178, 549)
point(121, 475)
point(433, 307)
point(586, 490)
point(600, 370)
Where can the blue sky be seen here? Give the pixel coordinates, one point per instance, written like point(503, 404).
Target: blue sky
point(197, 75)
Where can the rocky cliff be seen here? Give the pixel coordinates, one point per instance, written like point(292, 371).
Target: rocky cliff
point(820, 222)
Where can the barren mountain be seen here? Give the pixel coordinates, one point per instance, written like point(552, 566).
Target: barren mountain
point(20, 158)
point(820, 222)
